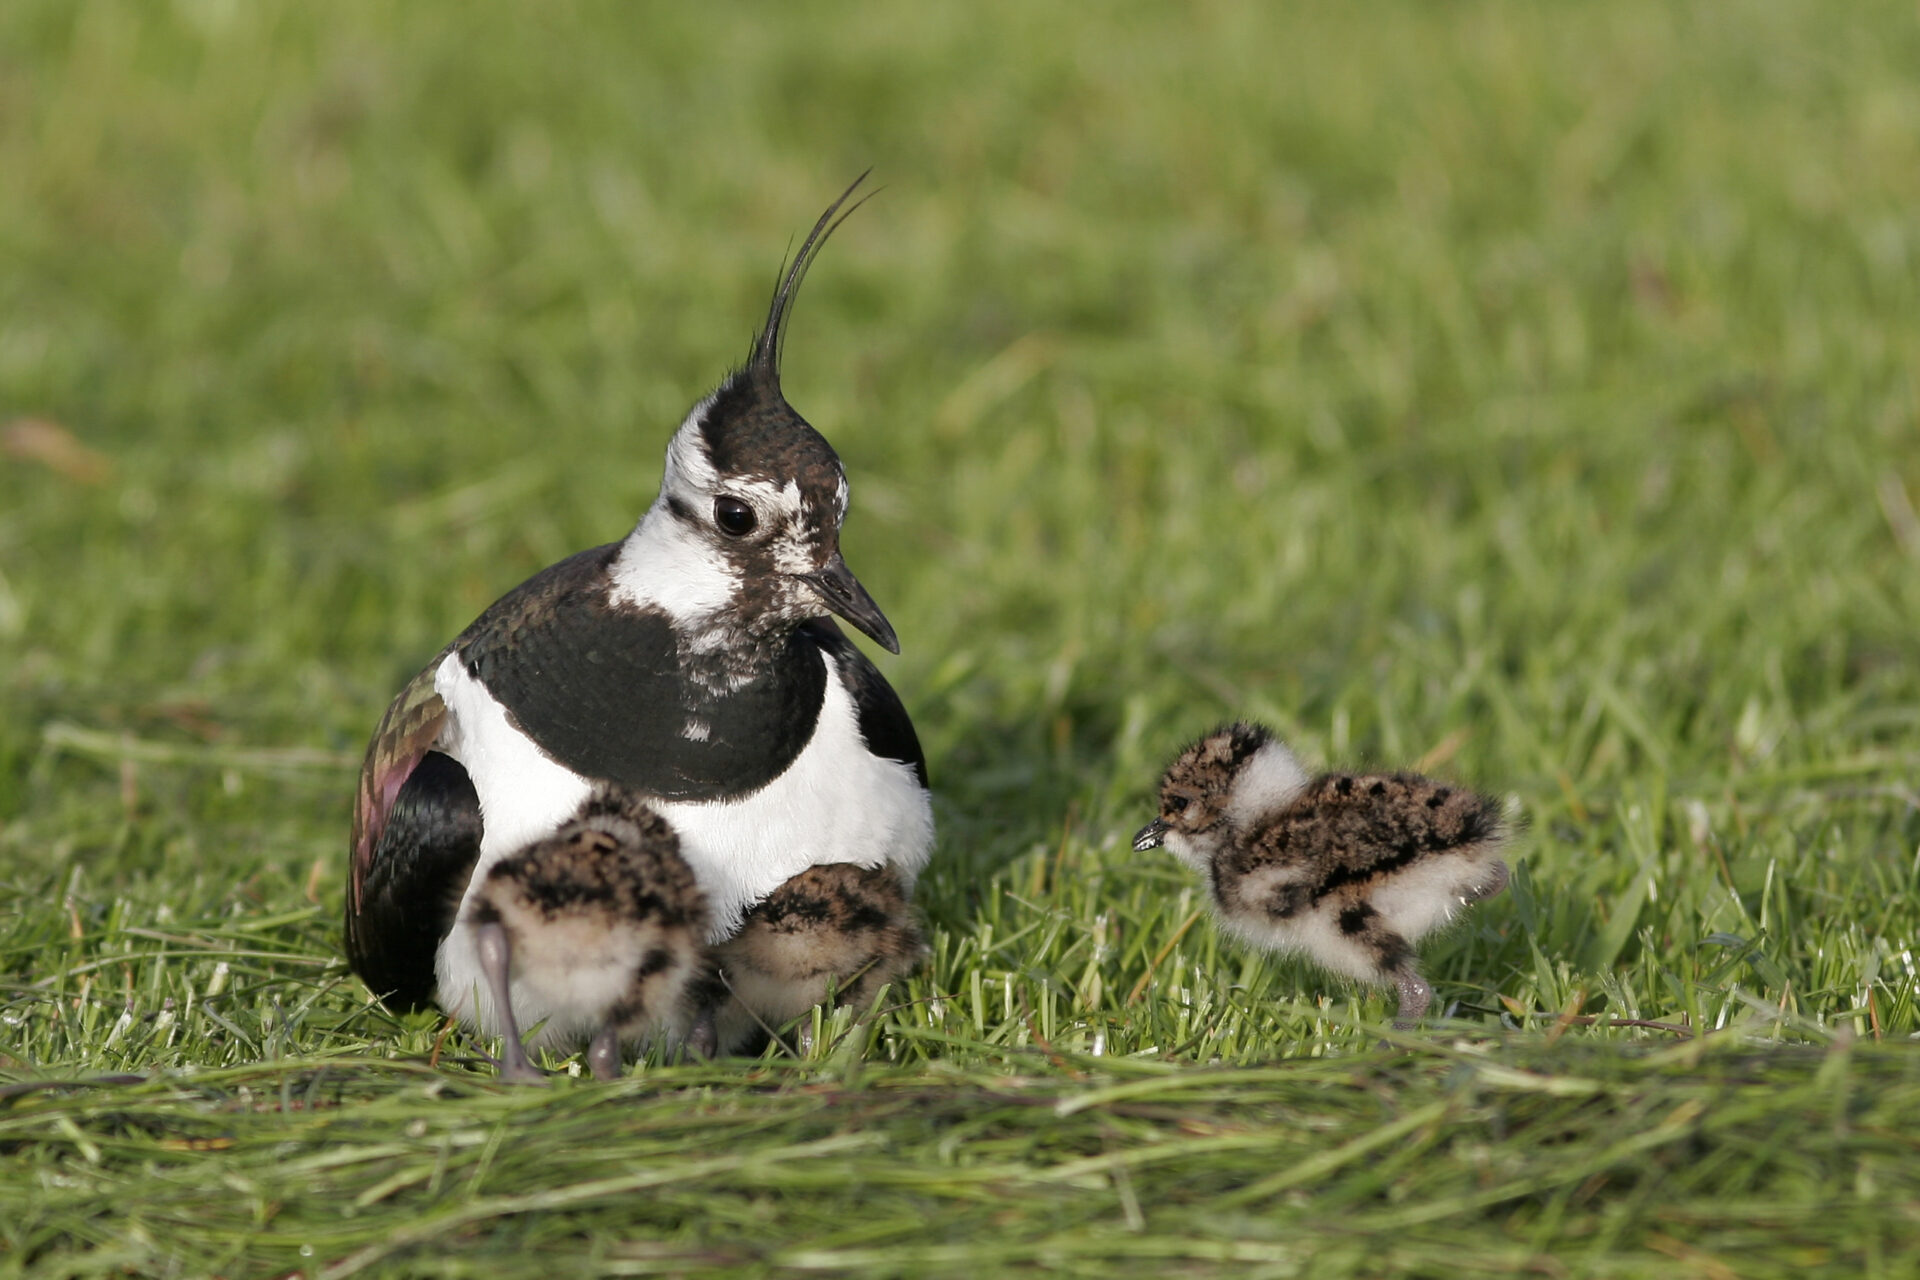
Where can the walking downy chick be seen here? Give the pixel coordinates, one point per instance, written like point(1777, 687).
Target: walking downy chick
point(1353, 869)
point(602, 926)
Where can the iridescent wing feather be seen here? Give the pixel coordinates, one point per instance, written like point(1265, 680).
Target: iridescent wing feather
point(416, 836)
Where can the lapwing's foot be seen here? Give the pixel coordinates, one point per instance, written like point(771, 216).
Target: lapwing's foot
point(522, 1073)
point(513, 1064)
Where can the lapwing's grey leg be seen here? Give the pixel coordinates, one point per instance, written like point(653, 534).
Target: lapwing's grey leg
point(490, 940)
point(1415, 996)
point(603, 1055)
point(1496, 880)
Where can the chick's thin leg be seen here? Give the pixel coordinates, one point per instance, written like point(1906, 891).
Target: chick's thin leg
point(1415, 996)
point(603, 1054)
point(703, 1040)
point(490, 940)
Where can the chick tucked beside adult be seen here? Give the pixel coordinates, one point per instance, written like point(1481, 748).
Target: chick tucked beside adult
point(600, 926)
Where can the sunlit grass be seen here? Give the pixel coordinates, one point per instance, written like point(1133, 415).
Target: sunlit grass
point(1525, 394)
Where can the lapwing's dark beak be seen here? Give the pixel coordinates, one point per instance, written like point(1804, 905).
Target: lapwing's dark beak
point(846, 597)
point(1150, 836)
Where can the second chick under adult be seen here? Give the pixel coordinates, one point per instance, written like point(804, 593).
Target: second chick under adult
point(835, 931)
point(1353, 869)
point(602, 924)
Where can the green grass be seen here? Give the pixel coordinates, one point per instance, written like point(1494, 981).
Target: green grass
point(1525, 391)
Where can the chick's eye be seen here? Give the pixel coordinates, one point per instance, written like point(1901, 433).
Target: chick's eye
point(1177, 804)
point(735, 518)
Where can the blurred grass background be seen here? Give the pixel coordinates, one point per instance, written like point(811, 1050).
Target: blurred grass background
point(1527, 392)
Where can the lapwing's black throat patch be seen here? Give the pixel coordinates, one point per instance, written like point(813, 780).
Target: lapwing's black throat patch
point(602, 689)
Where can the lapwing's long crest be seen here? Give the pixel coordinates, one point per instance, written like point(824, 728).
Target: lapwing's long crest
point(764, 363)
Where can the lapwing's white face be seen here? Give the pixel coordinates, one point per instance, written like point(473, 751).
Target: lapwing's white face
point(745, 535)
point(761, 514)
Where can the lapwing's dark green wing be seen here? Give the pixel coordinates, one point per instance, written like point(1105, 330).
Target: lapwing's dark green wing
point(416, 837)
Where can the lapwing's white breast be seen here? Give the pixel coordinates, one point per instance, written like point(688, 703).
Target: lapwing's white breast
point(837, 802)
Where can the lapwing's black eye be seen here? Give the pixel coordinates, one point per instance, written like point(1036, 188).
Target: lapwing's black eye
point(735, 518)
point(1177, 803)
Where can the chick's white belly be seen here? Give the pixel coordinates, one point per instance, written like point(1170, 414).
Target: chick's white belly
point(577, 971)
point(1311, 929)
point(837, 802)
